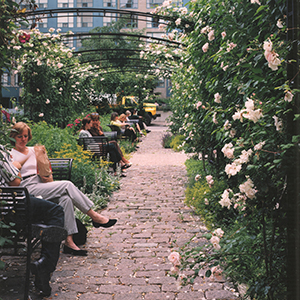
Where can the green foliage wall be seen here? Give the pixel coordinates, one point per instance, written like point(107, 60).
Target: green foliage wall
point(232, 100)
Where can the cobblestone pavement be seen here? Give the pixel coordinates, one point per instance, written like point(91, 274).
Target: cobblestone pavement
point(129, 260)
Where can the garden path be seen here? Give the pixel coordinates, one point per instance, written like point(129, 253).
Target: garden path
point(130, 260)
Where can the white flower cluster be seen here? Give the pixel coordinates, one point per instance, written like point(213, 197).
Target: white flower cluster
point(209, 180)
point(215, 239)
point(271, 56)
point(248, 113)
point(247, 190)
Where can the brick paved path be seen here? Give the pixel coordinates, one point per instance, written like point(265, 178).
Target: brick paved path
point(129, 260)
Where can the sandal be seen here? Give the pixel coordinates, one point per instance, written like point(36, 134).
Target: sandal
point(126, 166)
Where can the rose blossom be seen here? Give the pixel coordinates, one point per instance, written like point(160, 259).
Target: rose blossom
point(197, 177)
point(228, 150)
point(278, 123)
point(209, 180)
point(211, 35)
point(259, 146)
point(273, 60)
point(215, 241)
point(205, 47)
point(41, 115)
point(268, 45)
point(248, 189)
point(288, 96)
point(218, 232)
point(174, 258)
point(279, 24)
point(227, 125)
point(223, 34)
point(199, 103)
point(217, 97)
point(215, 118)
point(225, 200)
point(232, 169)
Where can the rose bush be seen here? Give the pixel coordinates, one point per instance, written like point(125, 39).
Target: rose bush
point(232, 100)
point(55, 85)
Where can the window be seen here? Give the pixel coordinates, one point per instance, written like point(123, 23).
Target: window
point(109, 3)
point(69, 42)
point(84, 3)
point(65, 3)
point(152, 22)
point(154, 3)
point(67, 21)
point(5, 79)
point(161, 83)
point(128, 3)
point(42, 4)
point(84, 21)
point(108, 19)
point(132, 21)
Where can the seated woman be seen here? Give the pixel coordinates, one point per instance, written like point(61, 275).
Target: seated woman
point(124, 127)
point(96, 130)
point(63, 192)
point(113, 152)
point(137, 126)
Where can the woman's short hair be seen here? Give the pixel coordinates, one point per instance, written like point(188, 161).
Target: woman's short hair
point(113, 116)
point(17, 129)
point(85, 120)
point(128, 113)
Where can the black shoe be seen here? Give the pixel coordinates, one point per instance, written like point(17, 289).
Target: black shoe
point(126, 166)
point(68, 250)
point(110, 223)
point(148, 131)
point(49, 233)
point(42, 276)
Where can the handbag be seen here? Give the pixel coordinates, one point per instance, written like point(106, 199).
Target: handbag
point(43, 164)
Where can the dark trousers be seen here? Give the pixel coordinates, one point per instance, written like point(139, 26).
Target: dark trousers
point(130, 133)
point(48, 213)
point(114, 154)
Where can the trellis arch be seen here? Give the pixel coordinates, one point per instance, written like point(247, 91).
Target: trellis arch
point(34, 15)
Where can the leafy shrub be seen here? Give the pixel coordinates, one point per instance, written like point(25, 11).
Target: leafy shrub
point(103, 187)
point(83, 168)
point(53, 138)
point(166, 140)
point(177, 142)
point(205, 199)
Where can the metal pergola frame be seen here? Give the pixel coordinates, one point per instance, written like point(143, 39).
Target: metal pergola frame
point(95, 12)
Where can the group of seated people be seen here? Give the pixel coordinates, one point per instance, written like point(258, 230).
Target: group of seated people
point(91, 126)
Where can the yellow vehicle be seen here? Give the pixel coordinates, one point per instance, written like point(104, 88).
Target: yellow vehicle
point(149, 108)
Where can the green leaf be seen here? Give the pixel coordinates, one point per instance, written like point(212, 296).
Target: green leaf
point(208, 273)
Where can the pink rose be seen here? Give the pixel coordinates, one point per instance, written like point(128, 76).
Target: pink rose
point(205, 47)
point(174, 258)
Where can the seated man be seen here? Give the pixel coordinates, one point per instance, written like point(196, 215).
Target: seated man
point(51, 232)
